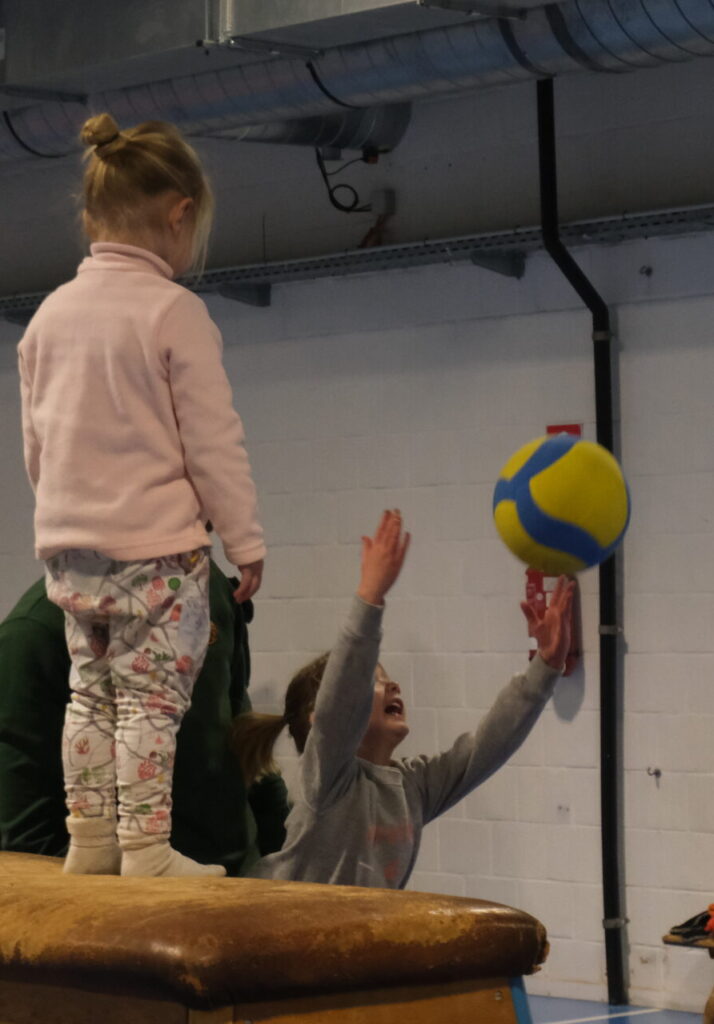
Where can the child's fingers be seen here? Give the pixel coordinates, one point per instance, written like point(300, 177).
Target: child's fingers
point(406, 540)
point(388, 530)
point(394, 529)
point(397, 541)
point(251, 578)
point(530, 613)
point(388, 535)
point(556, 596)
point(380, 526)
point(383, 526)
point(565, 599)
point(563, 593)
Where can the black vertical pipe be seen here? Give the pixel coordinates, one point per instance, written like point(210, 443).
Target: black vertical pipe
point(610, 682)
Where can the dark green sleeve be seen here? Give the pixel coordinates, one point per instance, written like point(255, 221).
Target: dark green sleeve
point(212, 821)
point(34, 690)
point(240, 664)
point(268, 798)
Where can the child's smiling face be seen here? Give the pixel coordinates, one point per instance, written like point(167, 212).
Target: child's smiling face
point(387, 725)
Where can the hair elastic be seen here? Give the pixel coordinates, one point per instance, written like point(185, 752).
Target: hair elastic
point(107, 142)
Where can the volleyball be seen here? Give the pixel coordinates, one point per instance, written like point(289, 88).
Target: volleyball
point(561, 504)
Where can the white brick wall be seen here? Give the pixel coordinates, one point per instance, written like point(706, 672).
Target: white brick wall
point(411, 389)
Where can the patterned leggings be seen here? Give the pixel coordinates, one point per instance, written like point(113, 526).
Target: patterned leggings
point(137, 634)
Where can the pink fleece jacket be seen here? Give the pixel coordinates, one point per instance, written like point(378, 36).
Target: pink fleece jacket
point(131, 440)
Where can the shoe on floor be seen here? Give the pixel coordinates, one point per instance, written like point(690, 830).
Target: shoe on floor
point(694, 928)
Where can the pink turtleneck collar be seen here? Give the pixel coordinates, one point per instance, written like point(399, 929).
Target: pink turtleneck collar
point(121, 256)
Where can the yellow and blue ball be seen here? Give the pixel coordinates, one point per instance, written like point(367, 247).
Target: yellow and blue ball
point(561, 504)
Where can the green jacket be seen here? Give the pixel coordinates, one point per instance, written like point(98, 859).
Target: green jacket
point(214, 819)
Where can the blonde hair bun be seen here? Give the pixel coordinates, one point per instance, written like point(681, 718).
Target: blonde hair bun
point(100, 131)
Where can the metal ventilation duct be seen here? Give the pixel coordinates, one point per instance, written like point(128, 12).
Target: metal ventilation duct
point(325, 24)
point(595, 35)
point(86, 47)
point(368, 127)
point(76, 50)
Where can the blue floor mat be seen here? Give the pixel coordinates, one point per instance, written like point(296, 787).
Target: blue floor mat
point(548, 1010)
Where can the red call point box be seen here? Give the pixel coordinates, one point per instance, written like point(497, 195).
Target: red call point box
point(565, 428)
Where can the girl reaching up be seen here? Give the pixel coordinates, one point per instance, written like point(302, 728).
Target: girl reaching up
point(359, 813)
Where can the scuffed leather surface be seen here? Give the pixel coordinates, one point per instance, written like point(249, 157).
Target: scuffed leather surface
point(216, 941)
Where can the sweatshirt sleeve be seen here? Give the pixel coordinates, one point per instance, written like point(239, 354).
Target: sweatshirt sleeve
point(210, 429)
point(343, 707)
point(445, 779)
point(30, 443)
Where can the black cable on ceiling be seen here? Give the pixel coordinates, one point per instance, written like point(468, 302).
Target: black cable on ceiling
point(323, 88)
point(353, 204)
point(21, 142)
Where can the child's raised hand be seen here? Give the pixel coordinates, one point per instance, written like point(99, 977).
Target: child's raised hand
point(382, 558)
point(551, 626)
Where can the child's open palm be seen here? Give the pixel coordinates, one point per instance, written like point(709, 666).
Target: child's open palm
point(382, 558)
point(551, 626)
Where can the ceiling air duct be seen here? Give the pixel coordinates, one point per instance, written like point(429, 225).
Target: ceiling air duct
point(265, 64)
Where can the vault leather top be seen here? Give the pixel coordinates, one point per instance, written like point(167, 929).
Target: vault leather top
point(217, 941)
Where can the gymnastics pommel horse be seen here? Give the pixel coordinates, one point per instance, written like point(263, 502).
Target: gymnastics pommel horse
point(107, 950)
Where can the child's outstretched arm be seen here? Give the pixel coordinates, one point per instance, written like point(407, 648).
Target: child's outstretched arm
point(447, 778)
point(344, 701)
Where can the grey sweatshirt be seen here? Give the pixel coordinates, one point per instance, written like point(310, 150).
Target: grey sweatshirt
point(357, 823)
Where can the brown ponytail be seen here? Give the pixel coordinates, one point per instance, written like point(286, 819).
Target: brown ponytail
point(255, 734)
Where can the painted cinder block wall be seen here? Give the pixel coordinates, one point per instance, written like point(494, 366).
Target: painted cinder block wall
point(411, 389)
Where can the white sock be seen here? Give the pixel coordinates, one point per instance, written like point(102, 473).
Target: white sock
point(93, 847)
point(160, 859)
